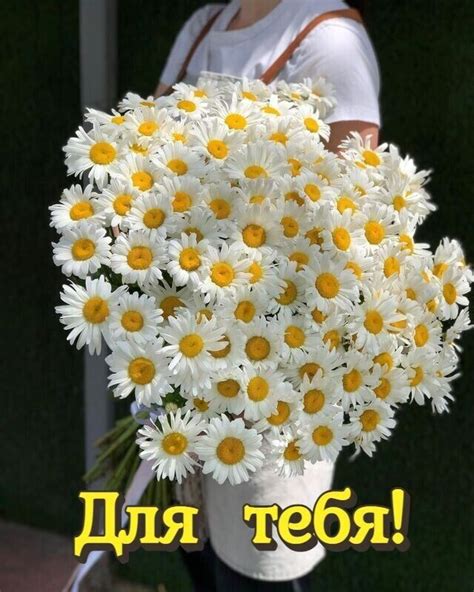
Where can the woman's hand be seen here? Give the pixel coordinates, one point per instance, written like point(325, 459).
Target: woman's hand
point(341, 129)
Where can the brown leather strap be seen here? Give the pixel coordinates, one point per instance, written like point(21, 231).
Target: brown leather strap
point(205, 30)
point(272, 72)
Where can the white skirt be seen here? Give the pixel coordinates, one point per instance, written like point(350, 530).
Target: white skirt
point(231, 538)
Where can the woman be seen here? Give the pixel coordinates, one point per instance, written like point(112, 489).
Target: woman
point(287, 40)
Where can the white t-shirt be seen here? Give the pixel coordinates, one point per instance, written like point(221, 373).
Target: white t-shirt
point(339, 50)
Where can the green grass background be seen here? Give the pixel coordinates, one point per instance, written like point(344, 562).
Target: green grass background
point(426, 55)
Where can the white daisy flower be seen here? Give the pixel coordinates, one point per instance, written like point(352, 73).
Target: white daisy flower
point(236, 115)
point(259, 160)
point(111, 124)
point(243, 305)
point(86, 312)
point(147, 122)
point(317, 394)
point(371, 423)
point(230, 451)
point(184, 192)
point(310, 120)
point(285, 452)
point(187, 259)
point(190, 344)
point(138, 258)
point(262, 389)
point(356, 381)
point(257, 228)
point(169, 299)
point(92, 152)
point(152, 214)
point(226, 391)
point(454, 287)
point(224, 271)
point(116, 200)
point(82, 250)
point(263, 342)
point(137, 171)
point(323, 437)
point(178, 160)
point(142, 369)
point(171, 444)
point(135, 318)
point(76, 204)
point(201, 222)
point(214, 140)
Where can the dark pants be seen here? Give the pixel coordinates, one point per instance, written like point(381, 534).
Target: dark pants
point(209, 574)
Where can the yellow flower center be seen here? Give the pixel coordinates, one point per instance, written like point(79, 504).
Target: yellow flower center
point(154, 218)
point(246, 94)
point(373, 322)
point(228, 388)
point(439, 269)
point(292, 452)
point(182, 202)
point(230, 450)
point(352, 381)
point(391, 266)
point(142, 180)
point(279, 137)
point(179, 137)
point(188, 106)
point(374, 232)
point(255, 171)
point(256, 271)
point(222, 274)
point(225, 351)
point(398, 203)
point(193, 230)
point(419, 375)
point(270, 110)
point(355, 268)
point(345, 203)
point(258, 389)
point(122, 204)
point(199, 92)
point(257, 348)
point(313, 401)
point(141, 371)
point(314, 236)
point(245, 311)
point(383, 389)
point(318, 316)
point(294, 196)
point(178, 166)
point(294, 336)
point(309, 369)
point(288, 295)
point(191, 345)
point(369, 420)
point(140, 258)
point(254, 235)
point(95, 310)
point(290, 226)
point(236, 121)
point(311, 125)
point(83, 249)
point(218, 148)
point(312, 191)
point(102, 153)
point(281, 415)
point(189, 259)
point(147, 103)
point(296, 166)
point(341, 238)
point(203, 314)
point(169, 304)
point(332, 338)
point(371, 158)
point(450, 293)
point(147, 128)
point(301, 259)
point(138, 148)
point(174, 443)
point(327, 285)
point(322, 435)
point(220, 208)
point(118, 119)
point(81, 210)
point(200, 404)
point(421, 335)
point(132, 321)
point(384, 359)
point(407, 243)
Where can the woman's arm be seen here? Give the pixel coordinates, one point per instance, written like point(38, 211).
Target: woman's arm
point(341, 129)
point(161, 89)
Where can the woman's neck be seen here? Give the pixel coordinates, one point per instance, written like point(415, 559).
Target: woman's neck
point(250, 12)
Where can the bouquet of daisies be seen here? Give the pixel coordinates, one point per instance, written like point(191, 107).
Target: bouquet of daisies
point(251, 284)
